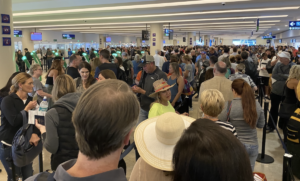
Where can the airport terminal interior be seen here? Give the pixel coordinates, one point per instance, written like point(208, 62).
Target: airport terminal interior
point(178, 63)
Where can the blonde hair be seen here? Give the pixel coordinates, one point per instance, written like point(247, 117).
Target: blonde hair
point(33, 68)
point(294, 73)
point(63, 85)
point(212, 102)
point(19, 78)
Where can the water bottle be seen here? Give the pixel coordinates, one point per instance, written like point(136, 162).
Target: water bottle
point(44, 105)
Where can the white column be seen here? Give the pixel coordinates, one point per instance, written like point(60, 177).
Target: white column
point(7, 62)
point(26, 40)
point(191, 40)
point(206, 40)
point(216, 41)
point(175, 42)
point(156, 38)
point(138, 42)
point(101, 41)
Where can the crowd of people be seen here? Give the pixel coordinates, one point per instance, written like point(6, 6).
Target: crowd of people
point(95, 106)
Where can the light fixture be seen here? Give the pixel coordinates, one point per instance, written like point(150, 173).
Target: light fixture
point(140, 6)
point(278, 29)
point(286, 25)
point(157, 15)
point(150, 22)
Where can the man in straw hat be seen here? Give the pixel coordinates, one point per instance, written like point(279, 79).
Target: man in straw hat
point(155, 139)
point(151, 73)
point(101, 133)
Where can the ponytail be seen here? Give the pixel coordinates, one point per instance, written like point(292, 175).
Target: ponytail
point(242, 88)
point(13, 89)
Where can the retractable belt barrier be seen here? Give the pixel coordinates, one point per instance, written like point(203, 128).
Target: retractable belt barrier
point(287, 173)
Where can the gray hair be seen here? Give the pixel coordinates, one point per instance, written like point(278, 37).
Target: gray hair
point(33, 68)
point(102, 122)
point(156, 51)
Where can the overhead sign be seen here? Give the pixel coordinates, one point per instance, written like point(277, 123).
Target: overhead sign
point(268, 37)
point(257, 25)
point(18, 33)
point(294, 25)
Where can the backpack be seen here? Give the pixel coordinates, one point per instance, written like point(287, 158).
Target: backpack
point(251, 70)
point(23, 153)
point(293, 141)
point(122, 75)
point(125, 65)
point(187, 89)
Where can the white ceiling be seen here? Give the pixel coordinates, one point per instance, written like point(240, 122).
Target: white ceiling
point(236, 19)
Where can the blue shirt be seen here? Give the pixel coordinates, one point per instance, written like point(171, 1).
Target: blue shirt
point(165, 67)
point(70, 53)
point(199, 57)
point(136, 67)
point(111, 66)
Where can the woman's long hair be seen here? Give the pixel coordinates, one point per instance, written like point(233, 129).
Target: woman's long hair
point(56, 65)
point(175, 67)
point(242, 88)
point(91, 79)
point(6, 89)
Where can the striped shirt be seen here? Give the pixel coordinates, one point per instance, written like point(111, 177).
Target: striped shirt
point(227, 126)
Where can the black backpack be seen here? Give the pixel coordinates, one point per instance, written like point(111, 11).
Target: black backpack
point(122, 75)
point(125, 65)
point(251, 69)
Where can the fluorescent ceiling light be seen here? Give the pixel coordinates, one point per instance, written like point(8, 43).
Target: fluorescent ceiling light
point(165, 21)
point(143, 27)
point(158, 15)
point(236, 22)
point(140, 6)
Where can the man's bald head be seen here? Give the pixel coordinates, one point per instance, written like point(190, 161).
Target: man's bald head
point(220, 67)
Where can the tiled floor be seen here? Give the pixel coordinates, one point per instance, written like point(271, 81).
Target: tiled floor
point(273, 148)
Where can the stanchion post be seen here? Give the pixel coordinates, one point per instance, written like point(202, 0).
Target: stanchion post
point(260, 92)
point(263, 158)
point(41, 162)
point(287, 162)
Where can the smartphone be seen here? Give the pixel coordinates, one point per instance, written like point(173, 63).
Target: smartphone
point(40, 119)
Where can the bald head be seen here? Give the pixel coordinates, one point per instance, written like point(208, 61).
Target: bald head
point(220, 68)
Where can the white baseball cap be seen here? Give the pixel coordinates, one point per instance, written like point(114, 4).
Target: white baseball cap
point(285, 55)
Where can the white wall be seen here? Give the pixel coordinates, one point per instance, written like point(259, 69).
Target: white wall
point(260, 41)
point(227, 41)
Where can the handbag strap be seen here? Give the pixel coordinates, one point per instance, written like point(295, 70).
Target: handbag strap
point(25, 119)
point(229, 109)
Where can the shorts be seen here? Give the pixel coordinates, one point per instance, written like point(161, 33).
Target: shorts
point(265, 80)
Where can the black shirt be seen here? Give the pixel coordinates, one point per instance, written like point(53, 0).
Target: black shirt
point(111, 66)
point(11, 117)
point(73, 72)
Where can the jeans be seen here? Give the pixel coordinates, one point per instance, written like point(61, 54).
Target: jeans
point(252, 151)
point(275, 101)
point(5, 152)
point(142, 117)
point(49, 62)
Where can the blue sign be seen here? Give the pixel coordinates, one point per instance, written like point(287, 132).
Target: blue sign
point(294, 25)
point(5, 18)
point(6, 30)
point(68, 36)
point(6, 41)
point(268, 41)
point(18, 33)
point(268, 37)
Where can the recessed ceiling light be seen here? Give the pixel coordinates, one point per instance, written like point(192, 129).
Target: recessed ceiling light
point(165, 21)
point(278, 29)
point(156, 15)
point(286, 25)
point(140, 6)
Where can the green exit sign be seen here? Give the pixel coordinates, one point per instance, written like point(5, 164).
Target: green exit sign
point(55, 40)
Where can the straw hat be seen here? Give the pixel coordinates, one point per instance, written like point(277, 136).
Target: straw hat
point(156, 138)
point(159, 86)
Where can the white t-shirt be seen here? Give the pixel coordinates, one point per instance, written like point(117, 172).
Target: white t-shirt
point(263, 64)
point(122, 68)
